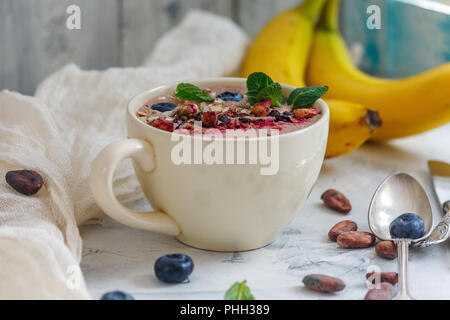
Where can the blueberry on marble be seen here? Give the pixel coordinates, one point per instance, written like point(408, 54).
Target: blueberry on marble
point(174, 268)
point(407, 226)
point(230, 96)
point(117, 295)
point(163, 106)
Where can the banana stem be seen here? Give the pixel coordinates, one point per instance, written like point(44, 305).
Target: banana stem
point(330, 15)
point(311, 8)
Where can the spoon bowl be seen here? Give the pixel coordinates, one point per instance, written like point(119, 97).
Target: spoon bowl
point(398, 194)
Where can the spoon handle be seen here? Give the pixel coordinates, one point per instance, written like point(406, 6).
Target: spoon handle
point(440, 233)
point(403, 292)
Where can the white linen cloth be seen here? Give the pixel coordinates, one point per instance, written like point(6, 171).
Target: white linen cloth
point(59, 131)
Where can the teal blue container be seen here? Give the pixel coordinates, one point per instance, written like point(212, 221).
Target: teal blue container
point(414, 35)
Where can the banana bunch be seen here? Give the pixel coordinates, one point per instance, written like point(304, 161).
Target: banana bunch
point(281, 50)
point(288, 48)
point(407, 106)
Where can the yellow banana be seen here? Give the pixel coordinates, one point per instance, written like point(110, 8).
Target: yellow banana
point(282, 47)
point(281, 50)
point(407, 106)
point(351, 125)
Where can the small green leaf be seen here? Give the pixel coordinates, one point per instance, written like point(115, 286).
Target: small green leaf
point(257, 81)
point(188, 91)
point(261, 87)
point(272, 92)
point(239, 291)
point(305, 97)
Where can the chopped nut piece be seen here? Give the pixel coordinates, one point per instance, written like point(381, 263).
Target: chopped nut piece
point(260, 109)
point(305, 113)
point(209, 119)
point(162, 124)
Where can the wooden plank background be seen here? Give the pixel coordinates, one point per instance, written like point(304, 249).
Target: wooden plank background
point(34, 40)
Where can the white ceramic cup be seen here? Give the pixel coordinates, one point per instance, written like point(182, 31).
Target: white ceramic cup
point(219, 207)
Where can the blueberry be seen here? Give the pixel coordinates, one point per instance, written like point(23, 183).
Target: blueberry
point(230, 96)
point(282, 118)
point(117, 295)
point(174, 268)
point(407, 226)
point(163, 106)
point(287, 113)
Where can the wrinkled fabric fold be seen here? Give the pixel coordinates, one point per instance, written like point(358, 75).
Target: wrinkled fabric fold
point(59, 131)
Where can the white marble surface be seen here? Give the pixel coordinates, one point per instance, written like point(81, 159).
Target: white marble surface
point(118, 257)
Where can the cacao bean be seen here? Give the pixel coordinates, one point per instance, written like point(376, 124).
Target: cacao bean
point(336, 201)
point(391, 277)
point(323, 283)
point(341, 227)
point(355, 239)
point(385, 292)
point(26, 182)
point(386, 249)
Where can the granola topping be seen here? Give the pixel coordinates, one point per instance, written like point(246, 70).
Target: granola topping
point(171, 113)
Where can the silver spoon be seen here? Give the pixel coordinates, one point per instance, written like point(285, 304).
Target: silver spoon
point(397, 194)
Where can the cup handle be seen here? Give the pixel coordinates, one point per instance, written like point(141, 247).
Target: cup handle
point(101, 182)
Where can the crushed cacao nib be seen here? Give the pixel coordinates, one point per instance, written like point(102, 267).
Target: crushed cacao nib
point(258, 120)
point(223, 118)
point(274, 113)
point(244, 120)
point(282, 118)
point(178, 124)
point(239, 115)
point(198, 116)
point(189, 125)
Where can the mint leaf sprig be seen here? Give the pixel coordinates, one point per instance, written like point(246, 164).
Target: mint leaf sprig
point(261, 87)
point(239, 291)
point(305, 97)
point(188, 91)
point(272, 92)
